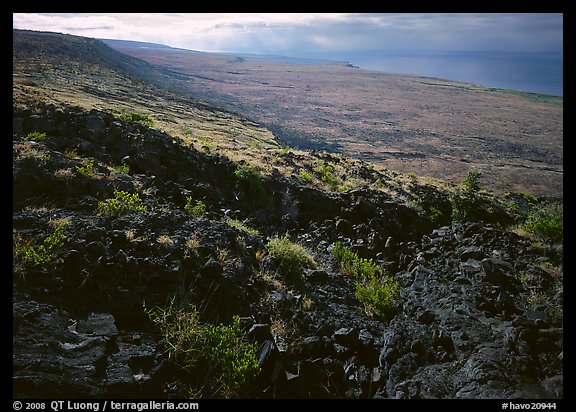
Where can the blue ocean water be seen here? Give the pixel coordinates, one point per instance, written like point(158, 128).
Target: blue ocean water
point(530, 72)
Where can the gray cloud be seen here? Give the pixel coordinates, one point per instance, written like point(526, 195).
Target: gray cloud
point(298, 33)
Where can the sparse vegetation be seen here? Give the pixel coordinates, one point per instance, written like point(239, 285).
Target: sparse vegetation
point(195, 208)
point(27, 152)
point(378, 292)
point(122, 203)
point(536, 97)
point(319, 333)
point(237, 224)
point(165, 240)
point(140, 118)
point(347, 124)
point(43, 253)
point(35, 136)
point(291, 257)
point(546, 222)
point(219, 359)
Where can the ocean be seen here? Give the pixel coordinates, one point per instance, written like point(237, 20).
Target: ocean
point(530, 72)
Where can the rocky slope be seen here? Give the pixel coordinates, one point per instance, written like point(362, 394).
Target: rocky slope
point(122, 231)
point(479, 314)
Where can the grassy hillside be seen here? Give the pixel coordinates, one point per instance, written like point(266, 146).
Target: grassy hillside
point(59, 68)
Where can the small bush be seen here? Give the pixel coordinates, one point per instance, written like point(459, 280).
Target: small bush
point(196, 209)
point(219, 359)
point(378, 292)
point(122, 169)
point(547, 222)
point(139, 118)
point(43, 253)
point(435, 215)
point(291, 257)
point(345, 258)
point(305, 176)
point(466, 198)
point(227, 345)
point(87, 170)
point(251, 178)
point(122, 203)
point(35, 136)
point(351, 264)
point(326, 173)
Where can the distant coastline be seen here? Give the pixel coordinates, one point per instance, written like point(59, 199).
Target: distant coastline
point(523, 71)
point(529, 72)
point(540, 73)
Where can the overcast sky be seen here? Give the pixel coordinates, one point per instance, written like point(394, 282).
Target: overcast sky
point(293, 33)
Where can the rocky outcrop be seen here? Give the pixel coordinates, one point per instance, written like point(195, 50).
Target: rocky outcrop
point(470, 321)
point(480, 312)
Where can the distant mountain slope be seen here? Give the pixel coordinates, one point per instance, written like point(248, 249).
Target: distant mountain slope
point(75, 48)
point(132, 43)
point(58, 68)
point(120, 44)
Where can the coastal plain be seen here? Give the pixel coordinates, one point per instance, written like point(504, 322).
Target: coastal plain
point(427, 126)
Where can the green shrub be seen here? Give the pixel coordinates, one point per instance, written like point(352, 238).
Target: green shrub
point(235, 223)
point(251, 178)
point(326, 173)
point(305, 176)
point(351, 264)
point(547, 222)
point(35, 136)
point(197, 209)
point(122, 203)
point(345, 257)
point(122, 169)
point(43, 253)
point(139, 118)
point(466, 198)
point(218, 358)
point(435, 215)
point(291, 257)
point(227, 345)
point(378, 292)
point(87, 170)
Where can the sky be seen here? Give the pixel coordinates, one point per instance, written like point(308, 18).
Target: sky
point(297, 34)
